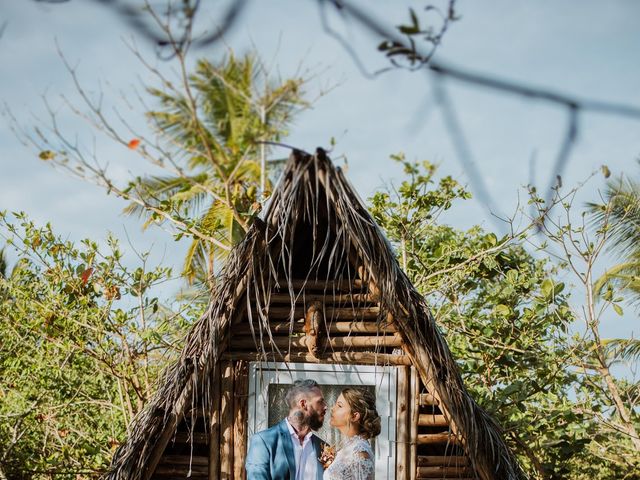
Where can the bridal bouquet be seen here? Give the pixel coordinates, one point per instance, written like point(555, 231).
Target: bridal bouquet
point(327, 455)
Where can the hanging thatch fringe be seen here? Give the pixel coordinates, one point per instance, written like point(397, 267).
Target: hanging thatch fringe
point(313, 193)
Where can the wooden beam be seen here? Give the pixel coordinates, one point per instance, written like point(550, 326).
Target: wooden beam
point(364, 358)
point(440, 477)
point(402, 423)
point(361, 327)
point(413, 423)
point(431, 420)
point(286, 328)
point(181, 470)
point(329, 284)
point(185, 460)
point(214, 423)
point(357, 341)
point(429, 460)
point(226, 422)
point(240, 405)
point(303, 342)
point(331, 313)
point(199, 438)
point(437, 438)
point(327, 298)
point(444, 472)
point(426, 399)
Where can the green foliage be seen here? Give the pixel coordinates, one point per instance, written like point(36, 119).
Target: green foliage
point(618, 217)
point(506, 316)
point(210, 131)
point(83, 339)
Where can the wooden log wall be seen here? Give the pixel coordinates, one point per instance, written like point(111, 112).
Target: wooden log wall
point(346, 320)
point(213, 445)
point(439, 454)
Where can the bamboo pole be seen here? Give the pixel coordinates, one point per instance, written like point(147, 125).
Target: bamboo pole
point(240, 405)
point(226, 422)
point(402, 424)
point(364, 358)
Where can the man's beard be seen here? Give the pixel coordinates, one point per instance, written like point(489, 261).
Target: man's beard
point(315, 420)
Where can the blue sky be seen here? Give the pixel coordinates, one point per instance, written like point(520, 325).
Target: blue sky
point(586, 48)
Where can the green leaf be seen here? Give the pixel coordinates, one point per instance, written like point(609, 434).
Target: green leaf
point(618, 309)
point(547, 287)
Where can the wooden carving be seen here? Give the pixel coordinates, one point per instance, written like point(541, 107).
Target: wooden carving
point(312, 331)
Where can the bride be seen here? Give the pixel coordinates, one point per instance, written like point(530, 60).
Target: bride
point(355, 416)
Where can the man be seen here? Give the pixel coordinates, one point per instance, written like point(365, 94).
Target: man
point(289, 450)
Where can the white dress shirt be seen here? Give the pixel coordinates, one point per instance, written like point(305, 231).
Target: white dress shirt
point(305, 455)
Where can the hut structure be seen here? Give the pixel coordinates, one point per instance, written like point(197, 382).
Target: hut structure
point(314, 285)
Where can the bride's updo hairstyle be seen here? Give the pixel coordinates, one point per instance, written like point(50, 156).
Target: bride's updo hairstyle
point(363, 402)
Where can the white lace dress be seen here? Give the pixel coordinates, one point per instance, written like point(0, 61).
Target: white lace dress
point(354, 461)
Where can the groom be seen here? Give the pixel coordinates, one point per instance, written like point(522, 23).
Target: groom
point(289, 450)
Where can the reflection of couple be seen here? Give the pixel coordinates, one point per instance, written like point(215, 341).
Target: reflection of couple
point(291, 451)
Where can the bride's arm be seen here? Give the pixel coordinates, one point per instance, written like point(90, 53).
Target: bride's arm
point(364, 467)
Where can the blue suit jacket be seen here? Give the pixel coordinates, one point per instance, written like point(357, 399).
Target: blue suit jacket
point(270, 455)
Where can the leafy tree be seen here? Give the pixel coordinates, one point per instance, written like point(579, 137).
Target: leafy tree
point(610, 401)
point(83, 339)
point(507, 319)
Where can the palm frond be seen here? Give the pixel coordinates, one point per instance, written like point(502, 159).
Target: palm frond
point(623, 349)
point(156, 189)
point(620, 214)
point(181, 125)
point(624, 275)
point(199, 263)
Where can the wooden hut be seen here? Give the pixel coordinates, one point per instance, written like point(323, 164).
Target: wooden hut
point(314, 285)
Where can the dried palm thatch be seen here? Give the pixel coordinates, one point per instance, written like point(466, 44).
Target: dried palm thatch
point(314, 210)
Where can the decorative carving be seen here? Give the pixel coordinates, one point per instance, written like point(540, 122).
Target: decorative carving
point(312, 331)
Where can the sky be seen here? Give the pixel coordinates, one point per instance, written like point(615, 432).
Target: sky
point(586, 48)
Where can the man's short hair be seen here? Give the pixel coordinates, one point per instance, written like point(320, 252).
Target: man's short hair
point(299, 387)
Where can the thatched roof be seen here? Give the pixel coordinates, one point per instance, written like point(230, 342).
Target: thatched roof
point(313, 199)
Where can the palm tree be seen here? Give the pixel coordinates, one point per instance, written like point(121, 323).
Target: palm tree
point(213, 131)
point(619, 218)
